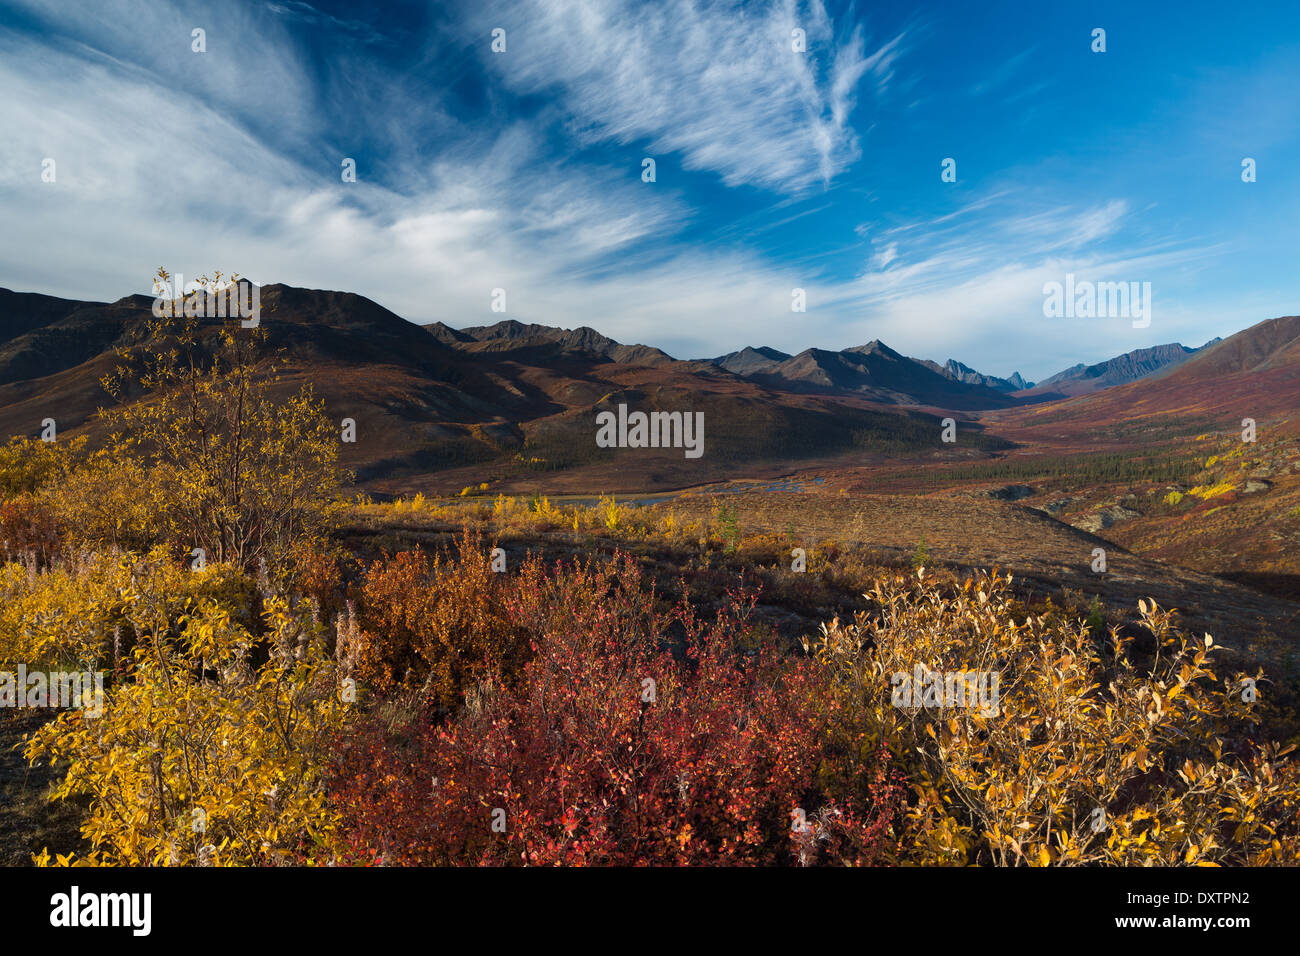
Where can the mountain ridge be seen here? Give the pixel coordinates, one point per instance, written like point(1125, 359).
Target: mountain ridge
point(434, 398)
point(1081, 379)
point(1254, 373)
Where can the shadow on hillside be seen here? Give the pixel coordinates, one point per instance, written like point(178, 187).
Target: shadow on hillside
point(1278, 585)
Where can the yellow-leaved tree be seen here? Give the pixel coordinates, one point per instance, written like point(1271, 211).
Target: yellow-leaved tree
point(236, 465)
point(204, 753)
point(210, 741)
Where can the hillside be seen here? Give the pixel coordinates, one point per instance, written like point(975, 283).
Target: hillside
point(443, 408)
point(1252, 374)
point(1084, 379)
point(1045, 554)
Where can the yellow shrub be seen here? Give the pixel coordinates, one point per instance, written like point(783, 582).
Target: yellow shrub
point(199, 755)
point(1205, 492)
point(1085, 757)
point(80, 609)
point(610, 513)
point(113, 502)
point(28, 464)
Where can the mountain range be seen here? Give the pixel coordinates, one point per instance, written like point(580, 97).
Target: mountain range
point(1081, 379)
point(873, 371)
point(1253, 374)
point(515, 398)
point(512, 336)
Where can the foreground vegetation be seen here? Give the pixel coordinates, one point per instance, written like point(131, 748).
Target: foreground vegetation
point(274, 697)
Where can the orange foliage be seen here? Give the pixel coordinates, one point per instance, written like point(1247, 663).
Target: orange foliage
point(436, 624)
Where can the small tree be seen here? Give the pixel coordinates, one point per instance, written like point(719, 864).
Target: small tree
point(243, 473)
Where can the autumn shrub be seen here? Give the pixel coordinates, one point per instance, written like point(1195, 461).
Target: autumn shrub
point(225, 687)
point(29, 526)
point(83, 608)
point(211, 744)
point(634, 734)
point(1091, 754)
point(114, 501)
point(243, 470)
point(315, 569)
point(28, 464)
point(436, 624)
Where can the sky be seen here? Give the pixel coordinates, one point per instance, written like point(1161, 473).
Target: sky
point(775, 168)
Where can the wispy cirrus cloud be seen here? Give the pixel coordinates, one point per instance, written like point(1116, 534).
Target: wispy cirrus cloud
point(1063, 227)
point(521, 171)
point(718, 83)
point(306, 13)
point(971, 284)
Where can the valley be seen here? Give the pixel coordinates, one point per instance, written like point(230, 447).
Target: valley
point(1139, 455)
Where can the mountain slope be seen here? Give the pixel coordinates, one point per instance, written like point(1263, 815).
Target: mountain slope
point(749, 360)
point(1083, 379)
point(408, 393)
point(873, 372)
point(24, 312)
point(959, 372)
point(436, 409)
point(1252, 374)
point(510, 336)
point(876, 372)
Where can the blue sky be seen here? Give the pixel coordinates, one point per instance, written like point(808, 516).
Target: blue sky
point(775, 169)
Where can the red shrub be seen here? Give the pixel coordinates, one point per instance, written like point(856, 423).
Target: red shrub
point(718, 760)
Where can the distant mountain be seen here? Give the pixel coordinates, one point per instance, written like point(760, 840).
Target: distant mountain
point(437, 408)
point(873, 371)
point(510, 335)
point(1253, 374)
point(749, 360)
point(436, 405)
point(365, 361)
point(968, 376)
point(447, 335)
point(1082, 379)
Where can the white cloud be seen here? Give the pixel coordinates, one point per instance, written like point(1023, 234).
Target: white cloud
point(1068, 228)
point(885, 256)
point(155, 171)
point(718, 84)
